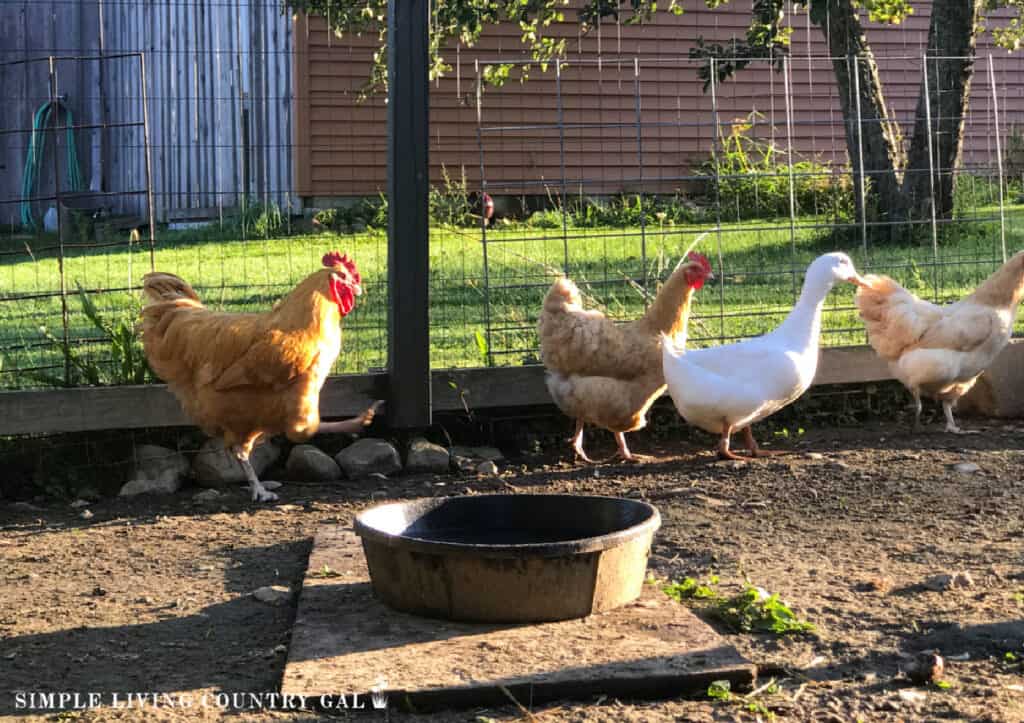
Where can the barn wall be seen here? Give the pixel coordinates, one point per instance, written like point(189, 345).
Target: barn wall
point(341, 143)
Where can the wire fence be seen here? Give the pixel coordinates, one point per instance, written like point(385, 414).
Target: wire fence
point(636, 165)
point(236, 165)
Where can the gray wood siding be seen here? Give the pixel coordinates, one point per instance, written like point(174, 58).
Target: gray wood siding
point(207, 61)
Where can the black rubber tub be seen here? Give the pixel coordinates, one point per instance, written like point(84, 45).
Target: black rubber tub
point(508, 558)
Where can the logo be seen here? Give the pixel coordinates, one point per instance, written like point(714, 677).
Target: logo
point(378, 698)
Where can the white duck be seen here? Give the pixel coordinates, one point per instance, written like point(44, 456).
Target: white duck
point(725, 389)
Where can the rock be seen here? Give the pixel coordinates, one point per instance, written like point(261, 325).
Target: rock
point(86, 515)
point(487, 468)
point(880, 584)
point(912, 696)
point(366, 456)
point(77, 504)
point(927, 667)
point(216, 467)
point(158, 471)
point(25, 507)
point(206, 496)
point(492, 453)
point(949, 581)
point(166, 486)
point(426, 456)
point(309, 464)
point(273, 594)
point(815, 455)
point(967, 468)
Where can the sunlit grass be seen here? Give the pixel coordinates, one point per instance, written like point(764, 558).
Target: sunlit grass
point(759, 267)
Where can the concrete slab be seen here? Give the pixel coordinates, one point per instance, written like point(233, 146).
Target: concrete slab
point(346, 642)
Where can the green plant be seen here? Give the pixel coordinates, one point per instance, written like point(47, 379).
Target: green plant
point(326, 218)
point(753, 178)
point(720, 690)
point(450, 203)
point(752, 610)
point(256, 218)
point(691, 589)
point(127, 363)
point(482, 348)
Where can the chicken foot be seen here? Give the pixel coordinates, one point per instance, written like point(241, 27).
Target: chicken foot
point(951, 425)
point(620, 440)
point(723, 446)
point(259, 492)
point(748, 441)
point(756, 451)
point(354, 425)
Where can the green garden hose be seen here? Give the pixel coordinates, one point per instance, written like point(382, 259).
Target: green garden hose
point(34, 159)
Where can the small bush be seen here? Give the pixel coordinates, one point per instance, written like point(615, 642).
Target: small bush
point(750, 178)
point(450, 203)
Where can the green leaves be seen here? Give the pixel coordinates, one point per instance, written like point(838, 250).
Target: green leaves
point(753, 610)
point(720, 690)
point(689, 589)
point(127, 363)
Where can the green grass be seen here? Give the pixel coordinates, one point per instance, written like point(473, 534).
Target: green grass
point(763, 264)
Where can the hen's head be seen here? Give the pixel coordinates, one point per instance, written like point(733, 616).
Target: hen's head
point(344, 281)
point(696, 270)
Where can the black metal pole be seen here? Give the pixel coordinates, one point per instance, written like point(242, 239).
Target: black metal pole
point(409, 404)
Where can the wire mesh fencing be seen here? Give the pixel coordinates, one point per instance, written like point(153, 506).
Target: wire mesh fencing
point(632, 160)
point(236, 155)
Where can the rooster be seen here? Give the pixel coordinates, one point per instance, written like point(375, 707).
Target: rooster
point(246, 377)
point(609, 374)
point(940, 351)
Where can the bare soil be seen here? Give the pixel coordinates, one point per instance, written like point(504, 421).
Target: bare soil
point(154, 595)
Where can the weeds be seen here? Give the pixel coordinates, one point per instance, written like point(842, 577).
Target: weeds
point(127, 363)
point(754, 178)
point(753, 610)
point(721, 690)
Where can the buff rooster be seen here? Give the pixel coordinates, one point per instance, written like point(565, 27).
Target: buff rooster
point(609, 374)
point(246, 377)
point(940, 351)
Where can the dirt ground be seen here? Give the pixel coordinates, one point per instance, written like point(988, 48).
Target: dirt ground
point(154, 594)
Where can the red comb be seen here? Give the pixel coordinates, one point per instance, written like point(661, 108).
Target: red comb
point(700, 259)
point(333, 258)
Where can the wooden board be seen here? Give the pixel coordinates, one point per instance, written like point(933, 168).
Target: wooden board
point(345, 642)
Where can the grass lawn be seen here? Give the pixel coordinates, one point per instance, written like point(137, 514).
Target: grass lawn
point(476, 317)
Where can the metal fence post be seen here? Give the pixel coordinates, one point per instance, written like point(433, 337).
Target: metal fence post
point(408, 230)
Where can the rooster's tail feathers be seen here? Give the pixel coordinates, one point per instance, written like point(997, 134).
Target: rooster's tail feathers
point(158, 287)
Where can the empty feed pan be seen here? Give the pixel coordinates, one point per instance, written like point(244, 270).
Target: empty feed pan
point(508, 558)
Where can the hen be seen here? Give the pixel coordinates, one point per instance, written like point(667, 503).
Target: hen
point(246, 377)
point(609, 374)
point(940, 351)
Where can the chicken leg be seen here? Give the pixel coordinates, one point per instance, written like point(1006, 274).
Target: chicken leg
point(951, 425)
point(259, 492)
point(756, 451)
point(723, 446)
point(354, 425)
point(917, 412)
point(577, 442)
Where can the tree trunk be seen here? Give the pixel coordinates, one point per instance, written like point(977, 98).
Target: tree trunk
point(951, 41)
point(869, 130)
